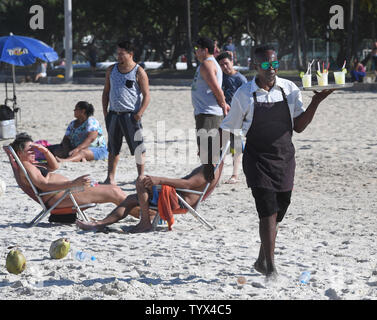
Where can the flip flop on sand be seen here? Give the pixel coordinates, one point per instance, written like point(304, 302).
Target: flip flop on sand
point(232, 180)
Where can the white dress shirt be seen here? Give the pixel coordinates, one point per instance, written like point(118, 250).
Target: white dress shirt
point(240, 116)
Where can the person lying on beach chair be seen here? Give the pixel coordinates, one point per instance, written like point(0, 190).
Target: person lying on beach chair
point(204, 176)
point(46, 180)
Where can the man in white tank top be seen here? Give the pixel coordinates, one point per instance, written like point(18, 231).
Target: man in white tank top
point(124, 100)
point(207, 96)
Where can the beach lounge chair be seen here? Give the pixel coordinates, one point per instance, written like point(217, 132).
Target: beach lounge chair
point(203, 196)
point(33, 193)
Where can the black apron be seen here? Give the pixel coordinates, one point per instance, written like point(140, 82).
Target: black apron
point(269, 156)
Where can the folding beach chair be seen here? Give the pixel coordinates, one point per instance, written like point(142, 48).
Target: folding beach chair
point(203, 195)
point(33, 193)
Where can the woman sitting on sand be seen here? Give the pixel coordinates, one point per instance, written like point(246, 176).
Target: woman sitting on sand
point(84, 139)
point(45, 180)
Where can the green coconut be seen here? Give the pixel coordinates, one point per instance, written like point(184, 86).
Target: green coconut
point(16, 262)
point(59, 248)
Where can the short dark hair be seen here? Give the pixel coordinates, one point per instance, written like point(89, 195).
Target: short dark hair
point(206, 43)
point(19, 143)
point(262, 49)
point(127, 45)
point(224, 55)
point(84, 105)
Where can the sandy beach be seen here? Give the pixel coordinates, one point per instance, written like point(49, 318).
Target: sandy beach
point(330, 228)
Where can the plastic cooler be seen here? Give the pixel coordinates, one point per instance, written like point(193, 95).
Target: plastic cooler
point(7, 129)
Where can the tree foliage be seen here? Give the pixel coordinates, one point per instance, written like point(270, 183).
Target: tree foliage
point(158, 28)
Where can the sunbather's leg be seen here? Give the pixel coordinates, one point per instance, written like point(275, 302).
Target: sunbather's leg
point(119, 213)
point(98, 194)
point(143, 196)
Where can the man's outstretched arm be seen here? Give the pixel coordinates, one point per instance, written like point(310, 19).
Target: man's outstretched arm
point(303, 120)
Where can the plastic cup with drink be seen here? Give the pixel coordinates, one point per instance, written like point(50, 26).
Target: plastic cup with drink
point(307, 77)
point(323, 78)
point(340, 76)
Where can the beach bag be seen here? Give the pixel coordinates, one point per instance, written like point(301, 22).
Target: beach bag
point(63, 218)
point(6, 113)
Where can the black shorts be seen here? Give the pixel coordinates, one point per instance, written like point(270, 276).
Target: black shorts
point(121, 125)
point(269, 202)
point(207, 122)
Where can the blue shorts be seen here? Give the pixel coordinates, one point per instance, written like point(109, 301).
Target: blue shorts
point(153, 199)
point(100, 153)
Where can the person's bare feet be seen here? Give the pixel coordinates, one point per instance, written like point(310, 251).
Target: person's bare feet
point(89, 225)
point(272, 275)
point(232, 180)
point(260, 267)
point(142, 227)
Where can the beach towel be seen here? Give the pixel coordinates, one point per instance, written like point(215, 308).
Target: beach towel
point(168, 205)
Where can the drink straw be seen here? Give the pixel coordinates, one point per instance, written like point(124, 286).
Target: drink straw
point(323, 66)
point(319, 68)
point(309, 71)
point(328, 66)
point(344, 64)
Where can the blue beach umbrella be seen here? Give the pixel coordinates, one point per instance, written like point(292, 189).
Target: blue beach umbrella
point(22, 51)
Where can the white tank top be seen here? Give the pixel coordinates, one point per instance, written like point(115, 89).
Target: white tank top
point(202, 98)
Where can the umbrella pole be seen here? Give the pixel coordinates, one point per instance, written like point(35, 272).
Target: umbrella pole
point(6, 90)
point(15, 109)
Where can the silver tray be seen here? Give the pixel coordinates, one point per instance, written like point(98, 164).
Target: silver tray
point(333, 86)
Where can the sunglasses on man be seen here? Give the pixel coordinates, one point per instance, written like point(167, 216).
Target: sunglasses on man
point(266, 65)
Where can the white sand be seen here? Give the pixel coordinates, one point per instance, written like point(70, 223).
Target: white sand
point(330, 228)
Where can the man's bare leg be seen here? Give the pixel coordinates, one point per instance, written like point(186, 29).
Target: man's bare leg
point(236, 165)
point(260, 264)
point(267, 232)
point(119, 213)
point(140, 161)
point(111, 169)
point(145, 221)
